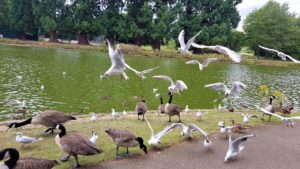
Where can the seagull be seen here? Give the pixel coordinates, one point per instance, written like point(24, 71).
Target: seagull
point(94, 117)
point(199, 114)
point(114, 114)
point(94, 137)
point(157, 95)
point(174, 87)
point(235, 89)
point(201, 66)
point(154, 90)
point(25, 139)
point(118, 64)
point(141, 73)
point(247, 117)
point(155, 138)
point(282, 55)
point(64, 73)
point(42, 87)
point(187, 110)
point(288, 120)
point(224, 130)
point(222, 108)
point(184, 48)
point(187, 132)
point(221, 49)
point(124, 113)
point(235, 146)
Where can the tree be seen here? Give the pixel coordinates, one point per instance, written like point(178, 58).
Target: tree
point(48, 14)
point(22, 18)
point(216, 19)
point(84, 19)
point(4, 8)
point(273, 26)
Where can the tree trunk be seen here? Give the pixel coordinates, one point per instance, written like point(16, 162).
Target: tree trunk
point(83, 39)
point(137, 42)
point(156, 45)
point(53, 37)
point(197, 51)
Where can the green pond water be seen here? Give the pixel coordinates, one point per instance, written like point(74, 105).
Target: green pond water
point(24, 70)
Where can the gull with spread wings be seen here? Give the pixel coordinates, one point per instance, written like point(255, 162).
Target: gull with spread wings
point(201, 66)
point(155, 138)
point(221, 49)
point(174, 87)
point(282, 55)
point(236, 88)
point(184, 48)
point(141, 73)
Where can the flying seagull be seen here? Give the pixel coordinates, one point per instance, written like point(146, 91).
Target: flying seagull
point(174, 87)
point(205, 63)
point(184, 48)
point(235, 146)
point(118, 64)
point(155, 138)
point(141, 73)
point(288, 120)
point(236, 88)
point(221, 49)
point(282, 55)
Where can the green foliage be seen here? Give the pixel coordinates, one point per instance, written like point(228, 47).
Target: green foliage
point(273, 26)
point(4, 8)
point(48, 24)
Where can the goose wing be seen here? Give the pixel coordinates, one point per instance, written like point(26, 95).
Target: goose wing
point(217, 86)
point(191, 41)
point(194, 127)
point(177, 125)
point(181, 39)
point(237, 87)
point(232, 54)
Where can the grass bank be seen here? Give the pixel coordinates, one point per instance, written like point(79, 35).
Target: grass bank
point(166, 52)
point(47, 148)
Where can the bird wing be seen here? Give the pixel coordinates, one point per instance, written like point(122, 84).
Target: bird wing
point(149, 70)
point(268, 49)
point(110, 49)
point(297, 117)
point(252, 115)
point(232, 54)
point(236, 142)
point(181, 85)
point(290, 57)
point(118, 58)
point(191, 41)
point(177, 125)
point(26, 139)
point(217, 86)
point(152, 131)
point(181, 39)
point(207, 61)
point(237, 87)
point(165, 131)
point(192, 62)
point(203, 46)
point(163, 77)
point(130, 68)
point(243, 114)
point(269, 113)
point(194, 127)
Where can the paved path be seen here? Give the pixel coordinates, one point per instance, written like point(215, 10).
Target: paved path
point(274, 147)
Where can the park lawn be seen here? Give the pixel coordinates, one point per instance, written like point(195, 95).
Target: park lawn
point(47, 148)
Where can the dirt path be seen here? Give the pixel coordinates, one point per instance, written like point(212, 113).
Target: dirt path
point(275, 146)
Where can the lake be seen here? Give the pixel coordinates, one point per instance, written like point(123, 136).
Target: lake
point(25, 69)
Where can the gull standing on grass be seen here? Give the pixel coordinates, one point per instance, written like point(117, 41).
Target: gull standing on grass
point(26, 139)
point(174, 87)
point(118, 64)
point(184, 48)
point(94, 137)
point(246, 117)
point(221, 49)
point(141, 73)
point(282, 55)
point(115, 114)
point(236, 88)
point(201, 66)
point(235, 146)
point(94, 117)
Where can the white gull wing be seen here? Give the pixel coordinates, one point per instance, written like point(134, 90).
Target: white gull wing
point(194, 127)
point(163, 77)
point(180, 85)
point(191, 41)
point(194, 62)
point(163, 132)
point(181, 39)
point(110, 49)
point(217, 86)
point(203, 46)
point(272, 114)
point(236, 143)
point(26, 139)
point(149, 70)
point(237, 87)
point(152, 131)
point(268, 49)
point(232, 54)
point(208, 61)
point(290, 57)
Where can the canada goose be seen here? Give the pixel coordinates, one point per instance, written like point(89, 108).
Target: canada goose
point(124, 138)
point(201, 66)
point(141, 109)
point(48, 118)
point(286, 110)
point(235, 89)
point(161, 107)
point(174, 87)
point(288, 120)
point(94, 137)
point(118, 64)
point(141, 73)
point(93, 117)
point(282, 55)
point(234, 56)
point(25, 139)
point(75, 144)
point(246, 117)
point(172, 109)
point(15, 162)
point(155, 138)
point(270, 108)
point(235, 146)
point(115, 114)
point(184, 47)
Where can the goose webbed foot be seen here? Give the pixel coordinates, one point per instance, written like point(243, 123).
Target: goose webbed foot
point(77, 165)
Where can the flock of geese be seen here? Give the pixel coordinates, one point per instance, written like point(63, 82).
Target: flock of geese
point(73, 144)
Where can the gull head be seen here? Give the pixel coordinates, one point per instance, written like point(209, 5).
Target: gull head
point(103, 76)
point(19, 134)
point(221, 124)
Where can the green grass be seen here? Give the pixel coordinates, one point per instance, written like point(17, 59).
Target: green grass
point(47, 148)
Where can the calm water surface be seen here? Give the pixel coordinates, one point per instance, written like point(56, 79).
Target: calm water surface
point(24, 70)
